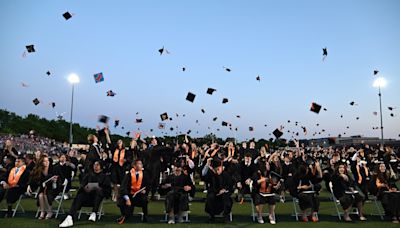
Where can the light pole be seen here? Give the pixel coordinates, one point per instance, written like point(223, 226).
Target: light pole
point(380, 83)
point(73, 79)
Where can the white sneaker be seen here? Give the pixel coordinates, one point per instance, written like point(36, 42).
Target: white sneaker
point(171, 221)
point(68, 222)
point(260, 220)
point(272, 222)
point(92, 217)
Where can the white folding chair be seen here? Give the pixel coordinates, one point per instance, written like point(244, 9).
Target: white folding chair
point(185, 217)
point(88, 212)
point(254, 211)
point(59, 200)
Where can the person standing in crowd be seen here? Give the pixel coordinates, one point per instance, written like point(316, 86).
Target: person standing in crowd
point(344, 190)
point(94, 153)
point(44, 178)
point(64, 169)
point(388, 193)
point(94, 187)
point(133, 192)
point(9, 151)
point(14, 185)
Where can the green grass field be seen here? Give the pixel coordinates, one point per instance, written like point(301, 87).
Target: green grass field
point(198, 218)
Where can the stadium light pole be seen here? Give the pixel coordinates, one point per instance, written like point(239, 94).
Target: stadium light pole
point(380, 83)
point(73, 79)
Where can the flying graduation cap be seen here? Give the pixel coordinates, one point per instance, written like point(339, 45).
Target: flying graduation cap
point(162, 50)
point(315, 107)
point(227, 69)
point(203, 111)
point(211, 91)
point(190, 97)
point(110, 93)
point(376, 72)
point(225, 100)
point(277, 133)
point(103, 119)
point(251, 128)
point(98, 77)
point(48, 73)
point(161, 125)
point(67, 15)
point(391, 108)
point(53, 104)
point(324, 53)
point(139, 120)
point(258, 78)
point(164, 116)
point(36, 101)
point(116, 123)
point(30, 48)
point(353, 103)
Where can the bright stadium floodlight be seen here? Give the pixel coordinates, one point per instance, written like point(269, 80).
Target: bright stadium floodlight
point(73, 79)
point(380, 83)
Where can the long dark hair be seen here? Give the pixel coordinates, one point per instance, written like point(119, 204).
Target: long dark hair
point(38, 170)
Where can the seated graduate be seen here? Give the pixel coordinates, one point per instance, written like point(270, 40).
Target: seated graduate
point(344, 191)
point(219, 191)
point(179, 186)
point(133, 192)
point(95, 186)
point(265, 184)
point(44, 178)
point(304, 188)
point(64, 169)
point(388, 193)
point(14, 185)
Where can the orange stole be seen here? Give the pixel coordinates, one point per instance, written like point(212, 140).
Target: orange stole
point(13, 180)
point(264, 188)
point(135, 184)
point(121, 157)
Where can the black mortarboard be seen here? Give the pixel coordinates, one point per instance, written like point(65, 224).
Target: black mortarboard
point(237, 116)
point(376, 72)
point(171, 128)
point(325, 109)
point(203, 111)
point(48, 73)
point(324, 53)
point(224, 123)
point(190, 97)
point(225, 100)
point(391, 114)
point(251, 128)
point(161, 125)
point(161, 50)
point(315, 107)
point(116, 123)
point(188, 132)
point(30, 48)
point(352, 103)
point(36, 101)
point(67, 15)
point(164, 116)
point(53, 104)
point(391, 108)
point(211, 91)
point(277, 133)
point(227, 69)
point(183, 68)
point(103, 119)
point(128, 133)
point(139, 120)
point(258, 78)
point(110, 93)
point(215, 118)
point(357, 118)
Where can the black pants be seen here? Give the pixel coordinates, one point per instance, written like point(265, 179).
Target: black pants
point(307, 200)
point(217, 204)
point(140, 200)
point(348, 200)
point(176, 202)
point(86, 199)
point(391, 204)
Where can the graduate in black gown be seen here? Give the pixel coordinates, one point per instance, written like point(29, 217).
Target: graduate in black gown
point(121, 160)
point(178, 187)
point(134, 192)
point(219, 191)
point(94, 187)
point(15, 184)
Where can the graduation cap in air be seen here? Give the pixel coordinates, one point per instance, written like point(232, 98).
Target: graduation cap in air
point(215, 118)
point(258, 78)
point(188, 132)
point(227, 69)
point(183, 68)
point(391, 108)
point(375, 113)
point(110, 93)
point(325, 109)
point(48, 73)
point(357, 118)
point(190, 97)
point(211, 91)
point(353, 103)
point(376, 72)
point(238, 116)
point(128, 133)
point(164, 116)
point(324, 53)
point(67, 15)
point(203, 111)
point(341, 116)
point(161, 50)
point(224, 123)
point(391, 114)
point(251, 128)
point(116, 123)
point(225, 100)
point(315, 107)
point(98, 77)
point(304, 130)
point(161, 125)
point(53, 104)
point(278, 133)
point(36, 101)
point(171, 128)
point(103, 119)
point(139, 120)
point(30, 48)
